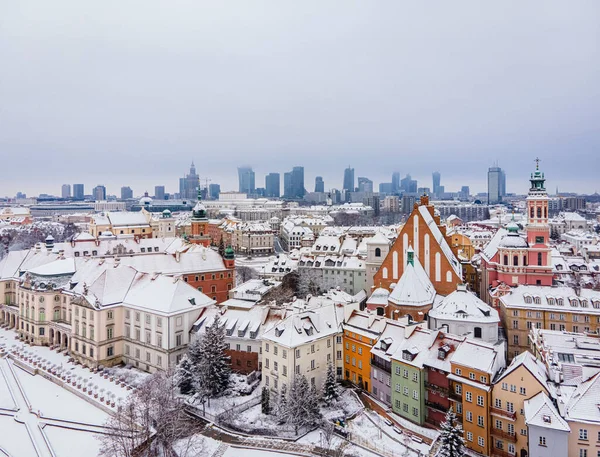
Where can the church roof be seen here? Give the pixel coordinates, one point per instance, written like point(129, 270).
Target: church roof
point(464, 305)
point(439, 237)
point(414, 287)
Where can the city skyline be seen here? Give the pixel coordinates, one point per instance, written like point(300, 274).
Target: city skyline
point(389, 97)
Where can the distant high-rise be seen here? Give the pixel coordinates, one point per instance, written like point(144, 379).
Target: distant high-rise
point(395, 181)
point(348, 180)
point(408, 184)
point(126, 193)
point(188, 185)
point(272, 185)
point(298, 189)
point(246, 180)
point(214, 190)
point(436, 183)
point(365, 184)
point(465, 192)
point(78, 191)
point(496, 185)
point(66, 191)
point(99, 192)
point(159, 192)
point(287, 184)
point(319, 184)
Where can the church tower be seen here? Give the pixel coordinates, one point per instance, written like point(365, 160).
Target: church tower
point(539, 265)
point(200, 223)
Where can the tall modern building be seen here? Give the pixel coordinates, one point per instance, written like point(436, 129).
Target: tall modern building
point(126, 193)
point(395, 181)
point(365, 184)
point(348, 180)
point(159, 192)
point(214, 190)
point(319, 184)
point(66, 191)
point(436, 183)
point(99, 192)
point(78, 191)
point(246, 180)
point(272, 185)
point(298, 189)
point(408, 184)
point(496, 185)
point(188, 185)
point(287, 184)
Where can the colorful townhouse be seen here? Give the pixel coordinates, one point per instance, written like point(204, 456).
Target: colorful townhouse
point(361, 332)
point(524, 378)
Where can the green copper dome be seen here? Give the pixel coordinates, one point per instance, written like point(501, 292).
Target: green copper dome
point(229, 254)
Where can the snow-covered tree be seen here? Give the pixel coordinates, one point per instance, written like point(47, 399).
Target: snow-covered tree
point(265, 404)
point(221, 247)
point(310, 281)
point(211, 364)
point(330, 390)
point(302, 407)
point(282, 404)
point(184, 376)
point(451, 438)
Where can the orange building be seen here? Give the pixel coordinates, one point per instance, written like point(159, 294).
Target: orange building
point(199, 230)
point(361, 332)
point(427, 237)
point(473, 366)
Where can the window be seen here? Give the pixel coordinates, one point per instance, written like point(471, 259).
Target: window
point(415, 395)
point(468, 396)
point(109, 315)
point(498, 403)
point(479, 400)
point(504, 386)
point(483, 379)
point(179, 339)
point(109, 333)
point(583, 453)
point(523, 391)
point(405, 391)
point(469, 436)
point(480, 441)
point(397, 387)
point(110, 351)
point(480, 421)
point(148, 317)
point(472, 376)
point(510, 407)
point(542, 441)
point(415, 412)
point(415, 377)
point(458, 389)
point(469, 416)
point(583, 434)
point(458, 371)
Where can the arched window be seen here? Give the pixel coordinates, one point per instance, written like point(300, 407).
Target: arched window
point(537, 300)
point(531, 212)
point(545, 212)
point(539, 258)
point(528, 300)
point(377, 252)
point(42, 314)
point(524, 260)
point(477, 332)
point(56, 315)
point(539, 212)
point(505, 260)
point(516, 260)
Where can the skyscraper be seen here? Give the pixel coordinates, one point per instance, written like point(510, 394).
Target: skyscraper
point(99, 193)
point(214, 190)
point(246, 180)
point(496, 185)
point(66, 191)
point(272, 185)
point(395, 181)
point(365, 184)
point(408, 184)
point(78, 191)
point(287, 184)
point(298, 182)
point(319, 184)
point(188, 185)
point(348, 180)
point(126, 192)
point(436, 183)
point(159, 192)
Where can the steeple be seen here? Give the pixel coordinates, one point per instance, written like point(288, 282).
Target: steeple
point(537, 178)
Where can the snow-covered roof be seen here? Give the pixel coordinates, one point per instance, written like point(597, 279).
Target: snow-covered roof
point(57, 268)
point(491, 248)
point(439, 237)
point(365, 324)
point(414, 287)
point(513, 240)
point(254, 289)
point(462, 305)
point(541, 412)
point(379, 297)
point(126, 218)
point(418, 344)
point(389, 340)
point(378, 238)
point(478, 355)
point(552, 298)
point(529, 362)
point(196, 259)
point(583, 404)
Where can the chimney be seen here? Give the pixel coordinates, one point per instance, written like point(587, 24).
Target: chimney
point(371, 317)
point(177, 256)
point(117, 262)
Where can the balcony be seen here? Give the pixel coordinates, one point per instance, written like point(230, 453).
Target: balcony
point(437, 388)
point(455, 396)
point(500, 453)
point(437, 406)
point(503, 413)
point(512, 437)
point(381, 364)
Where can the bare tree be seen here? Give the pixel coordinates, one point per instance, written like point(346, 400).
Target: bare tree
point(244, 273)
point(152, 421)
point(309, 281)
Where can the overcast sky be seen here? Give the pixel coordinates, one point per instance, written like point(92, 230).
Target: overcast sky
point(130, 92)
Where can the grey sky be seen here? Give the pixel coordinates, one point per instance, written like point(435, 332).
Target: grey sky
point(129, 92)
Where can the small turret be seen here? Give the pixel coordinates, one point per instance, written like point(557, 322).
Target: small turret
point(49, 242)
point(229, 257)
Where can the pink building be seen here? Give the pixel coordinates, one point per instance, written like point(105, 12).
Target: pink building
point(511, 259)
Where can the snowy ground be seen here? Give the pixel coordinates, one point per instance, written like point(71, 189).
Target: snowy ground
point(195, 446)
point(237, 452)
point(238, 392)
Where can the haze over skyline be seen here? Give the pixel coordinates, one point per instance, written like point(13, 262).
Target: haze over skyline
point(128, 93)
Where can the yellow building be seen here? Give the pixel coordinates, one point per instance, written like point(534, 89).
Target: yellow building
point(135, 224)
point(361, 332)
point(522, 380)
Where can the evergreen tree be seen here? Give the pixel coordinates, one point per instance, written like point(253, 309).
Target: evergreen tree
point(302, 407)
point(282, 404)
point(184, 376)
point(213, 368)
point(265, 404)
point(330, 391)
point(452, 441)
